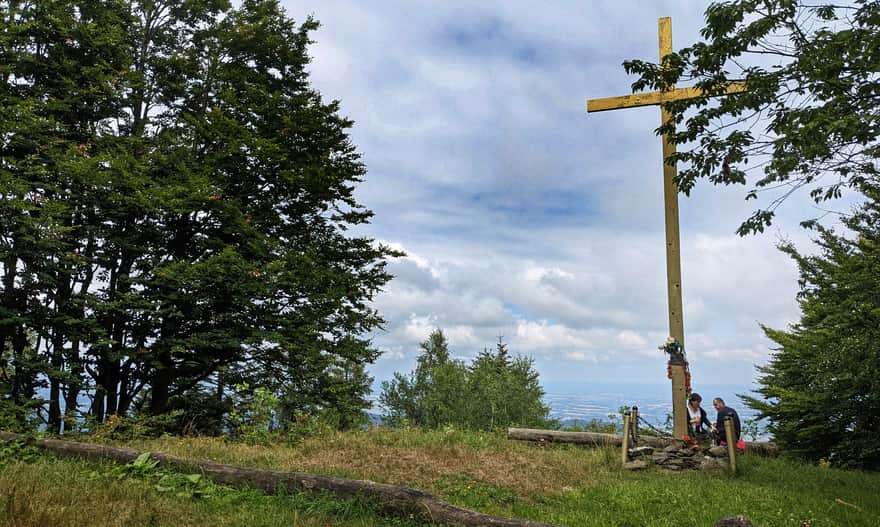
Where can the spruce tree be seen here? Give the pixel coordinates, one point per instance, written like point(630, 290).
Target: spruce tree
point(820, 391)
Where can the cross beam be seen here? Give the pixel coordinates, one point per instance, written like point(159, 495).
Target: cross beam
point(670, 194)
point(655, 98)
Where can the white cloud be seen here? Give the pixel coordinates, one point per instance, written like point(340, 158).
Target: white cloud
point(525, 217)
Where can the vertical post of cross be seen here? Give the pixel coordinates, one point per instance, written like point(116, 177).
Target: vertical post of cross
point(673, 248)
point(677, 370)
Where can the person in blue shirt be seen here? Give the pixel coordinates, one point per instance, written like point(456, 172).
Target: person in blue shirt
point(724, 412)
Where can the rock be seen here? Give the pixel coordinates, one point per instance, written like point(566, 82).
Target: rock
point(642, 451)
point(712, 463)
point(733, 521)
point(660, 457)
point(717, 451)
point(636, 465)
point(677, 458)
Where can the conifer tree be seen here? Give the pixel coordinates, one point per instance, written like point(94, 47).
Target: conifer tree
point(495, 391)
point(819, 390)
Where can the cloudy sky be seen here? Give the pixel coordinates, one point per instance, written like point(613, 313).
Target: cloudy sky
point(524, 217)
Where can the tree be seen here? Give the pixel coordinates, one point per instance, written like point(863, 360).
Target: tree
point(495, 391)
point(809, 117)
point(505, 391)
point(433, 394)
point(175, 205)
point(820, 389)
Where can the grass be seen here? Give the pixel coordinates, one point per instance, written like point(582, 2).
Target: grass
point(559, 484)
point(48, 491)
point(411, 457)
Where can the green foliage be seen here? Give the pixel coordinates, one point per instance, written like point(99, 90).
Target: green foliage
point(176, 209)
point(809, 117)
point(254, 414)
point(495, 391)
point(305, 426)
point(142, 466)
point(199, 412)
point(505, 391)
point(17, 452)
point(18, 384)
point(752, 429)
point(116, 428)
point(186, 486)
point(819, 391)
point(333, 393)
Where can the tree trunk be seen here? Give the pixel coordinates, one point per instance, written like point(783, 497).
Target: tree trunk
point(56, 365)
point(160, 385)
point(53, 422)
point(112, 387)
point(403, 502)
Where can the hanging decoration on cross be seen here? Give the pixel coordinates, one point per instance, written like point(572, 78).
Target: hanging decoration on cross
point(677, 358)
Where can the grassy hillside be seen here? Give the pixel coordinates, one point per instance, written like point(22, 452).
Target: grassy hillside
point(559, 484)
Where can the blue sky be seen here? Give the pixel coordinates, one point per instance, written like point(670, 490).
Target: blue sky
point(523, 216)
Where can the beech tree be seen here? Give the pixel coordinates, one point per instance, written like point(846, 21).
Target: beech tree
point(175, 205)
point(809, 118)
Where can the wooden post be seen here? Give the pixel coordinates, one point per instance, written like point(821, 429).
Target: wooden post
point(635, 425)
point(624, 456)
point(731, 442)
point(673, 248)
point(670, 199)
point(679, 401)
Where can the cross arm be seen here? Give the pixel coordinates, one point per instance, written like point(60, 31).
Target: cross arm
point(656, 97)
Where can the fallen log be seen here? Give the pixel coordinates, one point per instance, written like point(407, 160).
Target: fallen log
point(598, 439)
point(579, 438)
point(403, 502)
point(762, 448)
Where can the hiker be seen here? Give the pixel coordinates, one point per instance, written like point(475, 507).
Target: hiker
point(724, 412)
point(697, 418)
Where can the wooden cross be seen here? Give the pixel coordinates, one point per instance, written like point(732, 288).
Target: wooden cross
point(670, 195)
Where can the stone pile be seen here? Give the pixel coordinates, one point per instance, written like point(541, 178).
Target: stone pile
point(676, 457)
